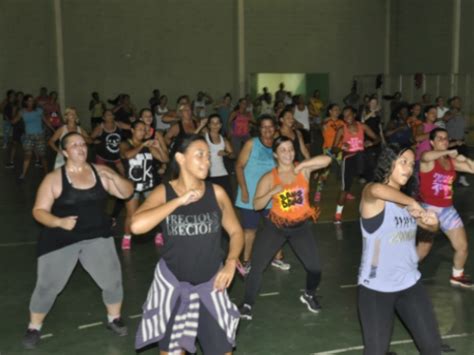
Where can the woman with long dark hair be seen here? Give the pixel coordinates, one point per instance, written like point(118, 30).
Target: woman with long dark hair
point(190, 279)
point(389, 280)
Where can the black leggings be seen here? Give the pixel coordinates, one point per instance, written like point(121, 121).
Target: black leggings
point(413, 306)
point(268, 241)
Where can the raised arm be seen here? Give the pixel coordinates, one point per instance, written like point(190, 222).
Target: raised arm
point(113, 183)
point(464, 164)
point(433, 155)
point(310, 165)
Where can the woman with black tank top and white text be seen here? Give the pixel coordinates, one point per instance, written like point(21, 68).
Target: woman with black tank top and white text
point(389, 280)
point(139, 157)
point(193, 280)
point(70, 204)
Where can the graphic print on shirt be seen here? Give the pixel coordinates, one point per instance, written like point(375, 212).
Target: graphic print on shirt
point(442, 185)
point(290, 198)
point(140, 171)
point(112, 142)
point(405, 230)
point(191, 225)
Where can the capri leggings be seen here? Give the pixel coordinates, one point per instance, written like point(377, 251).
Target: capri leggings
point(97, 256)
point(268, 241)
point(413, 306)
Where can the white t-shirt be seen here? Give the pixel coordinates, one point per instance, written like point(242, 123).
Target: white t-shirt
point(302, 117)
point(441, 111)
point(217, 162)
point(159, 113)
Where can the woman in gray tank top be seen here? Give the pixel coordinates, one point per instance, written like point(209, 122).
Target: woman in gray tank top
point(389, 280)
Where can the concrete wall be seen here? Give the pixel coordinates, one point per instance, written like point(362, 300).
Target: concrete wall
point(27, 46)
point(339, 37)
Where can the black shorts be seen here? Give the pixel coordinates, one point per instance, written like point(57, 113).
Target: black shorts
point(210, 335)
point(18, 131)
point(352, 166)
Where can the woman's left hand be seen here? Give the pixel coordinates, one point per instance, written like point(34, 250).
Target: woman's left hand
point(429, 218)
point(225, 276)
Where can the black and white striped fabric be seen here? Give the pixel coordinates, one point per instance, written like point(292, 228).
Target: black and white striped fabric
point(164, 292)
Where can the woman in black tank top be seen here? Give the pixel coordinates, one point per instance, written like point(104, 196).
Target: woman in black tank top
point(70, 204)
point(139, 157)
point(287, 128)
point(191, 213)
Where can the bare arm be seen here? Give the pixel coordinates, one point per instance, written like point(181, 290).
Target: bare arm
point(54, 138)
point(239, 169)
point(420, 134)
point(128, 152)
point(229, 150)
point(375, 138)
point(172, 132)
point(264, 192)
point(433, 155)
point(236, 235)
point(96, 132)
point(463, 164)
point(113, 183)
point(338, 138)
point(304, 150)
point(310, 165)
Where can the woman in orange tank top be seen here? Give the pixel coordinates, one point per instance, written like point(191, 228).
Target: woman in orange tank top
point(287, 187)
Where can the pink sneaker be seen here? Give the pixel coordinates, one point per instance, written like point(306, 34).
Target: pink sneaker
point(350, 196)
point(159, 241)
point(126, 244)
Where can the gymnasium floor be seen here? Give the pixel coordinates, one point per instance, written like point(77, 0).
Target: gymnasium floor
point(281, 324)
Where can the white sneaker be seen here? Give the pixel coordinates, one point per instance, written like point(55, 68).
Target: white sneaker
point(280, 264)
point(463, 181)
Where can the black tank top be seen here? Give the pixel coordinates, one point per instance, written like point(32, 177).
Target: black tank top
point(88, 205)
point(180, 137)
point(296, 144)
point(109, 147)
point(141, 169)
point(192, 236)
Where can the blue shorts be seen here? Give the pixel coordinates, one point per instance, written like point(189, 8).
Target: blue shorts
point(251, 218)
point(449, 218)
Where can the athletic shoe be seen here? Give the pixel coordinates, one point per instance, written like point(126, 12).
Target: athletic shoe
point(317, 197)
point(280, 264)
point(118, 327)
point(350, 197)
point(126, 243)
point(463, 182)
point(31, 338)
point(159, 241)
point(463, 281)
point(9, 165)
point(311, 302)
point(337, 218)
point(246, 312)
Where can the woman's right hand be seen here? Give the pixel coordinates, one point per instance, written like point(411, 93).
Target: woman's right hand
point(67, 223)
point(190, 197)
point(244, 197)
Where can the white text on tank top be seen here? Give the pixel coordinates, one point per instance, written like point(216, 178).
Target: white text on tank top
point(302, 117)
point(193, 225)
point(140, 171)
point(217, 162)
point(389, 259)
point(112, 141)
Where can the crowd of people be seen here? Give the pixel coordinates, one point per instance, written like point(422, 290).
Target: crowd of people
point(208, 172)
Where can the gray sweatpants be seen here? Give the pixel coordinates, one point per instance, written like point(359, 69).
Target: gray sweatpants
point(97, 256)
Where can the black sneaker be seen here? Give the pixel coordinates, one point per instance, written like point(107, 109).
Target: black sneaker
point(9, 165)
point(118, 327)
point(311, 302)
point(246, 312)
point(31, 338)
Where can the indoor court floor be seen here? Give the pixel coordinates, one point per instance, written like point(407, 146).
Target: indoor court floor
point(281, 324)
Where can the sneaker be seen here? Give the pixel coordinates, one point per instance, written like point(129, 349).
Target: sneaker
point(463, 182)
point(462, 281)
point(350, 197)
point(31, 338)
point(337, 218)
point(280, 264)
point(118, 327)
point(311, 302)
point(126, 243)
point(9, 165)
point(159, 241)
point(245, 312)
point(317, 197)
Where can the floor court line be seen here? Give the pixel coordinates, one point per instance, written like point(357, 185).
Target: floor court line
point(269, 294)
point(396, 342)
point(49, 335)
point(135, 316)
point(85, 326)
